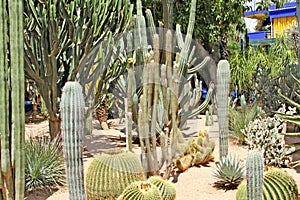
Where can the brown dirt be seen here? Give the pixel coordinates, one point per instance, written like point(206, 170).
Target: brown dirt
point(194, 184)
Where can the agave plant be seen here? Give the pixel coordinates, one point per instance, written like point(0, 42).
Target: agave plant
point(44, 164)
point(229, 172)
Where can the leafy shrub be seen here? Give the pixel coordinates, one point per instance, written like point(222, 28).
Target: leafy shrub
point(44, 164)
point(240, 118)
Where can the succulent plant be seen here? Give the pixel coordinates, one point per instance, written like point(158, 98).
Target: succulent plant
point(109, 174)
point(223, 83)
point(265, 134)
point(255, 171)
point(166, 188)
point(195, 152)
point(229, 172)
point(72, 114)
point(278, 185)
point(140, 190)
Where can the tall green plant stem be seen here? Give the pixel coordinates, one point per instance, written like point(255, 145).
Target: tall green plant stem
point(223, 83)
point(12, 178)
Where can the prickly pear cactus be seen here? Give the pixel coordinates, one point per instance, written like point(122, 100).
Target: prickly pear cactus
point(109, 174)
point(166, 188)
point(140, 190)
point(255, 171)
point(72, 115)
point(278, 185)
point(223, 83)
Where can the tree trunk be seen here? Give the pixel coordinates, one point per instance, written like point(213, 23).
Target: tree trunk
point(54, 127)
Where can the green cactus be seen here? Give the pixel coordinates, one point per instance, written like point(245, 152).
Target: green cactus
point(166, 188)
point(223, 83)
point(255, 171)
point(140, 190)
point(109, 174)
point(278, 185)
point(12, 114)
point(72, 114)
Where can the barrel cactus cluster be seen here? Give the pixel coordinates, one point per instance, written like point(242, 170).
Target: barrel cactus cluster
point(277, 185)
point(155, 188)
point(110, 173)
point(195, 152)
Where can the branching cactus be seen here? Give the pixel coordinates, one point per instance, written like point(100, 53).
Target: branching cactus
point(223, 83)
point(109, 174)
point(72, 113)
point(255, 171)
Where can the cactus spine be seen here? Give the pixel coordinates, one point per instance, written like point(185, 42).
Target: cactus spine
point(223, 83)
point(12, 178)
point(109, 174)
point(255, 171)
point(72, 113)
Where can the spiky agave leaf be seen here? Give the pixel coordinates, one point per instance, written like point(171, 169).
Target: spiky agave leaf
point(44, 164)
point(229, 172)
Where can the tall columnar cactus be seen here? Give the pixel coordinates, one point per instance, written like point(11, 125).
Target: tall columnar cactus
point(255, 171)
point(278, 185)
point(109, 174)
point(140, 190)
point(12, 177)
point(72, 114)
point(166, 188)
point(223, 83)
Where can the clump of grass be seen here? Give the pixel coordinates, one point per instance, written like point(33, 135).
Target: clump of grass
point(44, 164)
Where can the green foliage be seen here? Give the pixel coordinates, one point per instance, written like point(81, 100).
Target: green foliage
point(44, 164)
point(140, 190)
point(277, 185)
point(229, 172)
point(275, 60)
point(240, 118)
point(166, 188)
point(109, 174)
point(217, 21)
point(264, 134)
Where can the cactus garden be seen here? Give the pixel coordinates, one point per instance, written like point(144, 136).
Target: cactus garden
point(149, 100)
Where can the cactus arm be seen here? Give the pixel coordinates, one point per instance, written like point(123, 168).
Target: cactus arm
point(200, 66)
point(72, 113)
point(223, 83)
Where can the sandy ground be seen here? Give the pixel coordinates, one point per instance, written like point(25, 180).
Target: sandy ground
point(196, 183)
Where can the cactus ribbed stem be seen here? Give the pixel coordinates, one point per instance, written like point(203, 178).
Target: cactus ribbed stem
point(12, 114)
point(72, 113)
point(255, 171)
point(223, 83)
